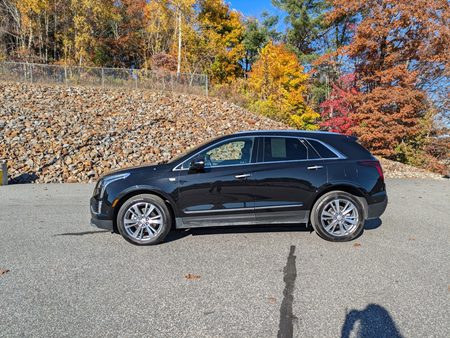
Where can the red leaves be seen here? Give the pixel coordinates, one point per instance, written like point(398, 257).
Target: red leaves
point(337, 110)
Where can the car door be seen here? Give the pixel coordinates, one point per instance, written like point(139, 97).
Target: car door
point(286, 179)
point(218, 194)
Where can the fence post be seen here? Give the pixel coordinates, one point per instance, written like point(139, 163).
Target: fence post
point(103, 77)
point(3, 172)
point(207, 85)
point(31, 72)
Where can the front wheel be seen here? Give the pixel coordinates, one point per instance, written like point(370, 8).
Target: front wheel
point(338, 216)
point(144, 220)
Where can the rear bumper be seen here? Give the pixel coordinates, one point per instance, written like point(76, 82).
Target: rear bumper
point(375, 210)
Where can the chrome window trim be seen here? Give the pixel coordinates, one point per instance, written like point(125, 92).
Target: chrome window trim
point(339, 155)
point(269, 132)
point(244, 209)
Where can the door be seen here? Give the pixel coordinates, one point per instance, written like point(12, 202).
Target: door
point(218, 193)
point(286, 180)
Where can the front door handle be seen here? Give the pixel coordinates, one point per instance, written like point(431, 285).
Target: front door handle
point(241, 177)
point(316, 167)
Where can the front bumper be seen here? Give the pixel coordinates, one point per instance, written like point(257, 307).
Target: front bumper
point(375, 210)
point(99, 220)
point(102, 223)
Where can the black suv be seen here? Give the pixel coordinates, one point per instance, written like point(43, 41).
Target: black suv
point(327, 180)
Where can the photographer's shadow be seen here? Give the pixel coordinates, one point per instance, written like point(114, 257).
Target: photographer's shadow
point(372, 322)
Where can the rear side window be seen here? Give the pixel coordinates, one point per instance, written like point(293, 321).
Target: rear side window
point(284, 149)
point(323, 150)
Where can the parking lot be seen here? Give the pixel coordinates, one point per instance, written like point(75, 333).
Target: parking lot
point(68, 279)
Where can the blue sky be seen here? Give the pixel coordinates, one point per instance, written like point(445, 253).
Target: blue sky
point(254, 8)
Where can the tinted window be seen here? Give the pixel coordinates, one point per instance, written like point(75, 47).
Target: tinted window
point(236, 151)
point(323, 151)
point(284, 149)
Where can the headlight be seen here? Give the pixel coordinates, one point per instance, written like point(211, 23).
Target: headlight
point(103, 183)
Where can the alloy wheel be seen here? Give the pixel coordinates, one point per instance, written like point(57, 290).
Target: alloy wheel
point(340, 217)
point(143, 221)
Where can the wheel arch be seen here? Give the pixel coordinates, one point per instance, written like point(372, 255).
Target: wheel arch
point(138, 191)
point(356, 191)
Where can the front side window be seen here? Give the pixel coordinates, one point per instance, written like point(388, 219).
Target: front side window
point(278, 149)
point(236, 151)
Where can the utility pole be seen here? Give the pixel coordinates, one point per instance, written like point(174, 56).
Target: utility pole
point(179, 43)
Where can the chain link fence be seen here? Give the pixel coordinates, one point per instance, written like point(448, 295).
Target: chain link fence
point(105, 77)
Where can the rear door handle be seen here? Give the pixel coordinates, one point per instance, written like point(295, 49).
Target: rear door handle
point(316, 167)
point(243, 176)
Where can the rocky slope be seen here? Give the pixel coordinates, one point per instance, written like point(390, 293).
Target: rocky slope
point(58, 134)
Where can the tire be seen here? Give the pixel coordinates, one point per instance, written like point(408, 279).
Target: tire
point(344, 225)
point(144, 220)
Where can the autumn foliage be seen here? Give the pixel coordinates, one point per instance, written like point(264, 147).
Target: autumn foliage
point(337, 110)
point(277, 87)
point(394, 44)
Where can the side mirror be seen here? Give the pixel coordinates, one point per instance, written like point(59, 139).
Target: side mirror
point(197, 165)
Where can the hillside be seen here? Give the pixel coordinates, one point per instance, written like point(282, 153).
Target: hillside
point(59, 134)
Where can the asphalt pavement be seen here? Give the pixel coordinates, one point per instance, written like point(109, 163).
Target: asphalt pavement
point(66, 278)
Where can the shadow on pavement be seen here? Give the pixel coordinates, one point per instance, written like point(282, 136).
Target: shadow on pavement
point(181, 233)
point(372, 224)
point(177, 234)
point(82, 233)
point(372, 322)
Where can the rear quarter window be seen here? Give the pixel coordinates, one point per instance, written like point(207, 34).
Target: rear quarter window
point(323, 150)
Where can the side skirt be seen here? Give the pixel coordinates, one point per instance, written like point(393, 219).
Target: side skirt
point(265, 218)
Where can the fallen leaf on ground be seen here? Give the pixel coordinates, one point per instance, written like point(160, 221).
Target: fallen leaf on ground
point(357, 245)
point(191, 276)
point(3, 271)
point(412, 238)
point(272, 300)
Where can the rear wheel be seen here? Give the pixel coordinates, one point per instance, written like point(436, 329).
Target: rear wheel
point(144, 220)
point(338, 216)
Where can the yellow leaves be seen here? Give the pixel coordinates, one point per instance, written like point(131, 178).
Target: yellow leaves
point(222, 33)
point(278, 85)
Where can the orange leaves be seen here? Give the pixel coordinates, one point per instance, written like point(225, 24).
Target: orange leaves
point(391, 47)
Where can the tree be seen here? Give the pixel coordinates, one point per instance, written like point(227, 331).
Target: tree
point(256, 37)
point(222, 33)
point(337, 110)
point(277, 85)
point(394, 42)
point(305, 19)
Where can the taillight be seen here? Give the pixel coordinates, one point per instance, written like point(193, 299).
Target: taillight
point(374, 164)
